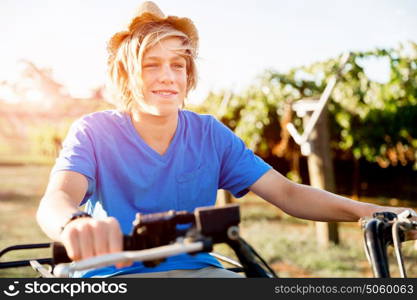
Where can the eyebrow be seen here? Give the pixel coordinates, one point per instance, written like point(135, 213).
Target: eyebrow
point(178, 56)
point(158, 57)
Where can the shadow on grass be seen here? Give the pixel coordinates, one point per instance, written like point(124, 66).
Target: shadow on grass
point(11, 197)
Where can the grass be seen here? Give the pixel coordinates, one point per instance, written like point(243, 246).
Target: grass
point(288, 244)
point(8, 159)
point(21, 188)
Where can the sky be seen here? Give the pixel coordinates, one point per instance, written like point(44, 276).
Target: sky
point(239, 39)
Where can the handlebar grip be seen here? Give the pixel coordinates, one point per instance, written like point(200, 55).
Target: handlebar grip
point(59, 253)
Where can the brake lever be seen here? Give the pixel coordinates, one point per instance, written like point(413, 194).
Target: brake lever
point(179, 247)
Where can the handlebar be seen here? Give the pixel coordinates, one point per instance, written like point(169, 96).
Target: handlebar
point(153, 254)
point(159, 229)
point(384, 229)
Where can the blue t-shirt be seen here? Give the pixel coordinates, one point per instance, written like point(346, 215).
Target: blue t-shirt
point(126, 176)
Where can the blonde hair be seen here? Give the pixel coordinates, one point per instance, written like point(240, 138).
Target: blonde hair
point(125, 66)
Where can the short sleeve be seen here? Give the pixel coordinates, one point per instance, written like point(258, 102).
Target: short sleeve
point(240, 167)
point(77, 154)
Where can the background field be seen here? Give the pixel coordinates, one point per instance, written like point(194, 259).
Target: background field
point(287, 243)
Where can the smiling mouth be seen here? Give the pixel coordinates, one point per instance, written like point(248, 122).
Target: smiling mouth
point(165, 93)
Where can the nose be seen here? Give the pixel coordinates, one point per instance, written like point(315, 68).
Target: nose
point(167, 74)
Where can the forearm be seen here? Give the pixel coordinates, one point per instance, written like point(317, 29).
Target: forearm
point(315, 204)
point(64, 193)
point(54, 210)
point(306, 202)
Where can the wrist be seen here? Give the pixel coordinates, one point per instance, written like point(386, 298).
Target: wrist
point(75, 216)
point(368, 209)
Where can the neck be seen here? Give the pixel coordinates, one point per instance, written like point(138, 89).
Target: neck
point(156, 131)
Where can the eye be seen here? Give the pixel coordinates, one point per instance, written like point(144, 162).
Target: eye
point(148, 66)
point(179, 66)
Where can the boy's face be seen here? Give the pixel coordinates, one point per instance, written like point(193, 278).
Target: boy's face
point(164, 78)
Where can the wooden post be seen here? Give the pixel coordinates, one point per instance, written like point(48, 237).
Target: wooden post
point(315, 143)
point(356, 179)
point(320, 170)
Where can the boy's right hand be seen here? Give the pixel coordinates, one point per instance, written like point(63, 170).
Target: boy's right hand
point(87, 237)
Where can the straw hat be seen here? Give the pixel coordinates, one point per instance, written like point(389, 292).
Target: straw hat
point(149, 12)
